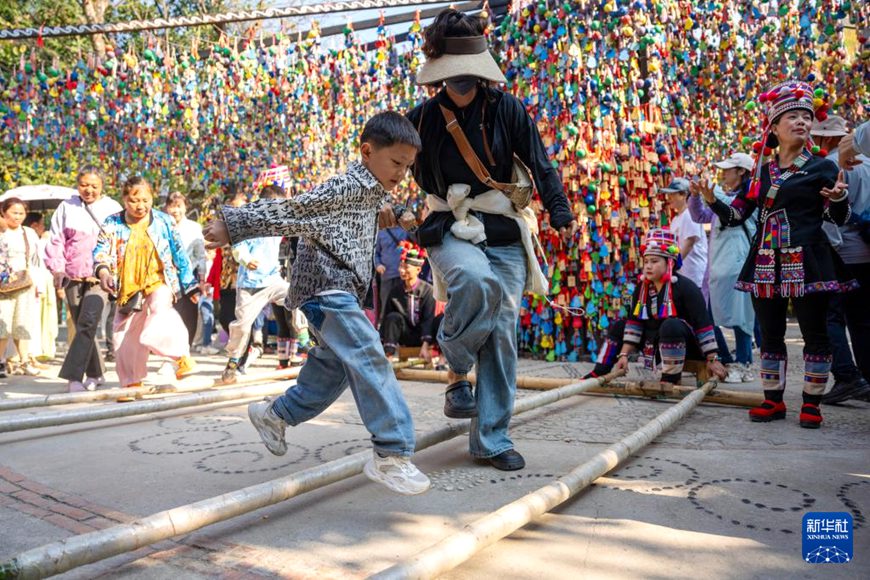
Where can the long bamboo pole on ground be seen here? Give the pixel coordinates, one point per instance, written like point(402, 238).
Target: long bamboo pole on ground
point(459, 547)
point(205, 384)
point(623, 388)
point(84, 415)
point(187, 386)
point(76, 551)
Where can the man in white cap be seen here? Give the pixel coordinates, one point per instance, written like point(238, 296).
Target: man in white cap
point(852, 242)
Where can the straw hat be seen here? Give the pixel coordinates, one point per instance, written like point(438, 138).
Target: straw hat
point(463, 56)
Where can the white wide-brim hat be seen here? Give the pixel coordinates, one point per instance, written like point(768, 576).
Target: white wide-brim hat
point(463, 56)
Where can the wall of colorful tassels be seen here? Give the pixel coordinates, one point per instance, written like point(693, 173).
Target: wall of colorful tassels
point(626, 95)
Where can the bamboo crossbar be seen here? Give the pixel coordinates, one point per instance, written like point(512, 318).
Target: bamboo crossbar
point(621, 388)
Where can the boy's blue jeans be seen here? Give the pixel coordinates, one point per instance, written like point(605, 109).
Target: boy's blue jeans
point(484, 290)
point(349, 353)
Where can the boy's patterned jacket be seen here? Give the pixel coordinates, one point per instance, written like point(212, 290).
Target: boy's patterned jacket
point(112, 243)
point(336, 223)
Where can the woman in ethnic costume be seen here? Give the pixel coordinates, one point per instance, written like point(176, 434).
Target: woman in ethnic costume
point(791, 258)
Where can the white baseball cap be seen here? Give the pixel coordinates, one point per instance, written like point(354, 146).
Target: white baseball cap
point(741, 160)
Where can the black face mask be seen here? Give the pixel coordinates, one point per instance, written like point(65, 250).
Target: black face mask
point(462, 85)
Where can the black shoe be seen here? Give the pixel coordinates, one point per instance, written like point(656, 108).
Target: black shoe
point(459, 401)
point(509, 460)
point(3, 374)
point(110, 356)
point(845, 390)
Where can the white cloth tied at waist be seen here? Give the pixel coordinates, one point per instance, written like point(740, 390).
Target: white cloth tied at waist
point(467, 227)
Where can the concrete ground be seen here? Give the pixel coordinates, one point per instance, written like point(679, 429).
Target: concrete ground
point(716, 496)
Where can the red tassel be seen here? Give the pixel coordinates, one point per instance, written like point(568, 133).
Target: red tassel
point(754, 190)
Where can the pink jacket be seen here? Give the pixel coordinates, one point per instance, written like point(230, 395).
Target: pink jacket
point(74, 235)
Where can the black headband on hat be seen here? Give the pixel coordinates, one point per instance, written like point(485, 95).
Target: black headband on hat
point(465, 45)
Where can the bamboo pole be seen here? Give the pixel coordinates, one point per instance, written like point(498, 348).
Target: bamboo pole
point(83, 549)
point(459, 547)
point(144, 407)
point(204, 384)
point(84, 415)
point(624, 388)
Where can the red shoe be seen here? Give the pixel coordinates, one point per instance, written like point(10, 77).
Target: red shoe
point(811, 417)
point(768, 411)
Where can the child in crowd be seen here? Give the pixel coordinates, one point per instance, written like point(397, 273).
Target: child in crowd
point(259, 283)
point(336, 223)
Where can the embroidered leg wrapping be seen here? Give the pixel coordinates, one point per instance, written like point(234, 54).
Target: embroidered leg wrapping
point(773, 367)
point(673, 357)
point(816, 370)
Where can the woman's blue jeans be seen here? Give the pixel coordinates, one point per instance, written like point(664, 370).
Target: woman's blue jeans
point(484, 289)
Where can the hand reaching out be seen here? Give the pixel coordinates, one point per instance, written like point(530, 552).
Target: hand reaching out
point(216, 235)
point(848, 155)
point(567, 232)
point(704, 188)
point(840, 189)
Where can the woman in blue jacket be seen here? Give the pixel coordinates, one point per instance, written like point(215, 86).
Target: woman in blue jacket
point(140, 260)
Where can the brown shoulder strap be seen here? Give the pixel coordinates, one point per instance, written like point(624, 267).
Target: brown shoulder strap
point(471, 158)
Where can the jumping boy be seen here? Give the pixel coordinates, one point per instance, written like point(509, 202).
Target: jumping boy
point(337, 225)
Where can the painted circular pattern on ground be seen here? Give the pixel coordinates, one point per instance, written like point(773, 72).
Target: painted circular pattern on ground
point(752, 503)
point(648, 474)
point(339, 449)
point(182, 441)
point(254, 458)
point(847, 493)
point(728, 428)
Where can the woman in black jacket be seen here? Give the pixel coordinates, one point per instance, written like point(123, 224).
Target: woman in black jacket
point(479, 243)
point(790, 257)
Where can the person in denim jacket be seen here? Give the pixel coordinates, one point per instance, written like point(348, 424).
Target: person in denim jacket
point(140, 260)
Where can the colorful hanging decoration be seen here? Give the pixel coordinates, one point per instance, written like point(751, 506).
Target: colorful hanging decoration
point(626, 94)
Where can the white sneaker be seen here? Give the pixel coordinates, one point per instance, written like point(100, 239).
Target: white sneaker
point(734, 375)
point(209, 350)
point(397, 473)
point(269, 425)
point(746, 373)
point(93, 383)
